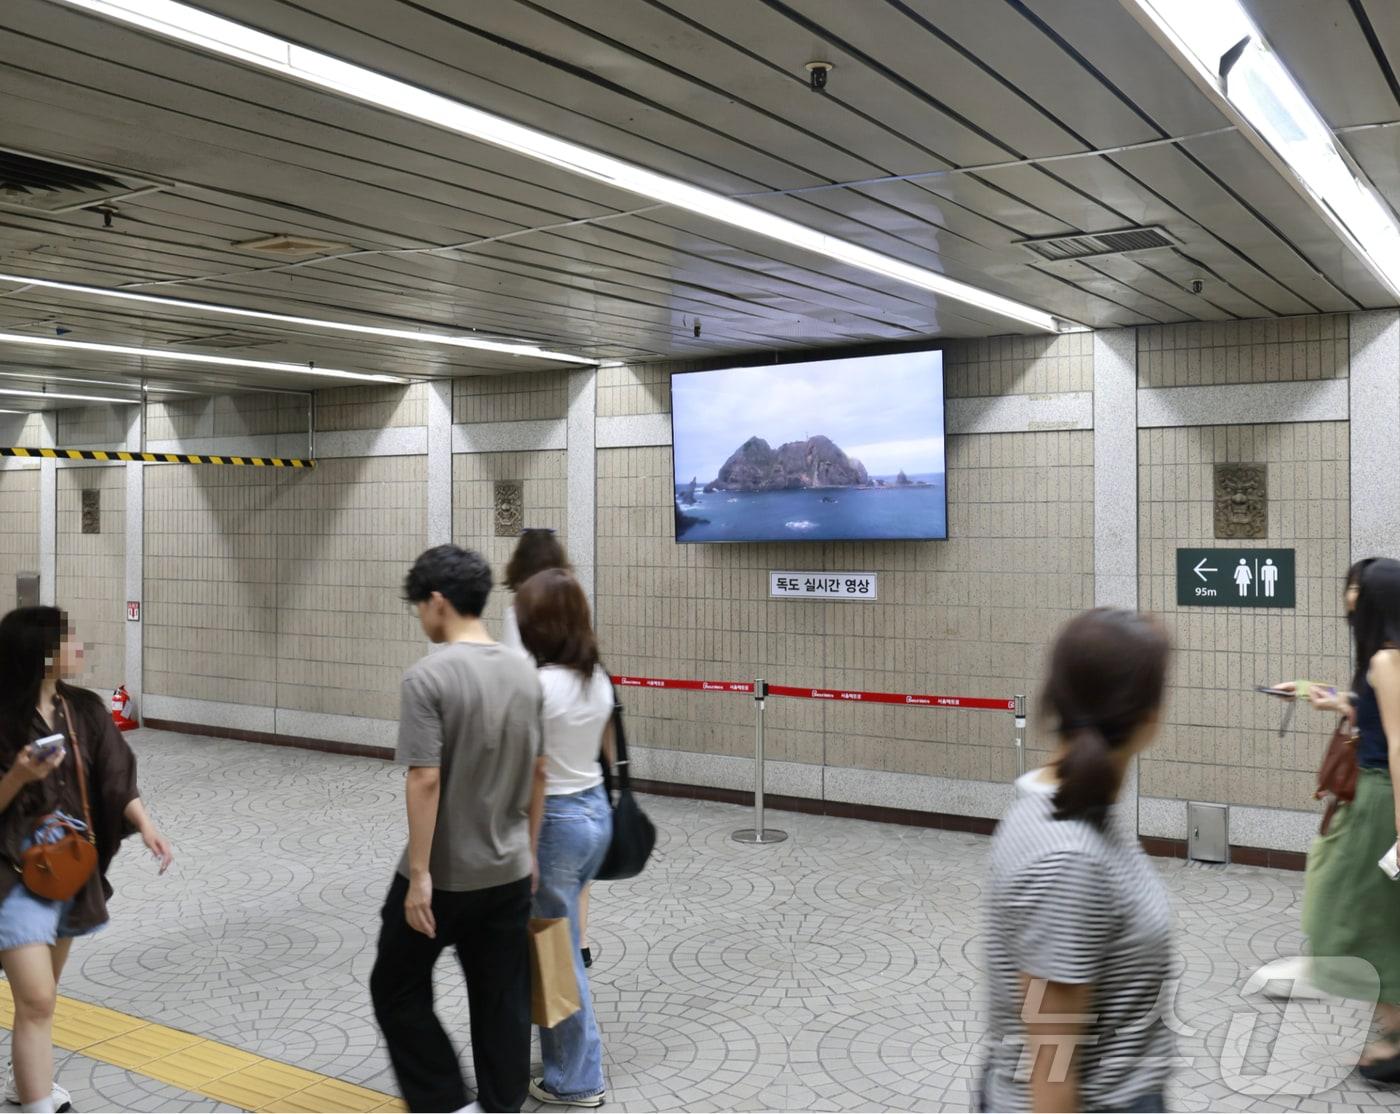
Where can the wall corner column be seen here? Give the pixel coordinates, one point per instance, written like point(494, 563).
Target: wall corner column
point(1116, 486)
point(135, 562)
point(582, 463)
point(48, 517)
point(439, 524)
point(1375, 431)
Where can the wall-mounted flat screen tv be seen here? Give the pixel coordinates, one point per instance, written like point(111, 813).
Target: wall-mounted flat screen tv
point(829, 450)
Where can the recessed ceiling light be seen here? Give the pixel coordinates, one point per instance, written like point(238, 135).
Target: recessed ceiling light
point(267, 52)
point(450, 339)
point(1222, 50)
point(198, 358)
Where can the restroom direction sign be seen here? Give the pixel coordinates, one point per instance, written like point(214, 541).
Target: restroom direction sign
point(1235, 578)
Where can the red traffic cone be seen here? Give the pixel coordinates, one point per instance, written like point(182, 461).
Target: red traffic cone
point(121, 701)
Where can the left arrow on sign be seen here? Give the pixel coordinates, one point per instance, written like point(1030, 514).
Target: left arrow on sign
point(1201, 569)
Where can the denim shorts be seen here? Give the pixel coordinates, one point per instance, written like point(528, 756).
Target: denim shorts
point(28, 919)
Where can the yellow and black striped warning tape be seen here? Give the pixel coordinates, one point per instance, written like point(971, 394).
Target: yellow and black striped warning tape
point(122, 455)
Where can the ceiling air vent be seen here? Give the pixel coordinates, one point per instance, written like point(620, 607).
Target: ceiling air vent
point(1059, 248)
point(42, 185)
point(220, 340)
point(291, 247)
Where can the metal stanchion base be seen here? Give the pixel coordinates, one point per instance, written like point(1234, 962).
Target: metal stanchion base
point(768, 835)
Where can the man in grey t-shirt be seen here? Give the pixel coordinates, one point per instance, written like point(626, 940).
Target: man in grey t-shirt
point(469, 733)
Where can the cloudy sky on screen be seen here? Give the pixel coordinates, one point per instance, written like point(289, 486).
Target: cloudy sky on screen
point(886, 411)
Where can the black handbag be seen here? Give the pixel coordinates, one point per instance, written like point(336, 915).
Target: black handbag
point(633, 835)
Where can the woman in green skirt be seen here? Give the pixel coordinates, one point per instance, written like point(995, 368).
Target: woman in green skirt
point(1352, 910)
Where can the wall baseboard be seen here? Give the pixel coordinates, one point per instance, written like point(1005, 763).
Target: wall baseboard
point(300, 742)
point(879, 814)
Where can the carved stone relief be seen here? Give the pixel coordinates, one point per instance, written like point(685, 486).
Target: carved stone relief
point(510, 508)
point(1241, 500)
point(92, 512)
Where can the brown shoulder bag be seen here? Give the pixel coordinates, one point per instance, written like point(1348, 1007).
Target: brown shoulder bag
point(1336, 777)
point(57, 870)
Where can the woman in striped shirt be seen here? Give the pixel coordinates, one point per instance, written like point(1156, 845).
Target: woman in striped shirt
point(1078, 922)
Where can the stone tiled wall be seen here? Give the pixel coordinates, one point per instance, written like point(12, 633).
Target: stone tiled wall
point(100, 427)
point(633, 389)
point(26, 430)
point(19, 528)
point(969, 616)
point(474, 476)
point(370, 407)
point(211, 549)
point(532, 396)
point(91, 583)
point(1020, 365)
point(283, 589)
point(346, 535)
point(225, 416)
point(1219, 740)
point(1267, 351)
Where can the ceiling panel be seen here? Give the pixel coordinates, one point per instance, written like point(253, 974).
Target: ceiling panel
point(948, 133)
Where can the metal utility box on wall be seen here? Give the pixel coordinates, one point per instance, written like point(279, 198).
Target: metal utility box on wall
point(1207, 832)
point(27, 589)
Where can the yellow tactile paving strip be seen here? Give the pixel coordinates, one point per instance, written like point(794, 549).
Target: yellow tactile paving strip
point(198, 1064)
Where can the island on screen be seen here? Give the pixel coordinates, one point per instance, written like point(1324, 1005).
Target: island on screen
point(830, 450)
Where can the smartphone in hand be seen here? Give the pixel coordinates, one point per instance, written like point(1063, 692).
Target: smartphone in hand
point(1389, 864)
point(45, 748)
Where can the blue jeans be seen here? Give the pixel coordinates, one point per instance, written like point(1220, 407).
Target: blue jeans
point(573, 840)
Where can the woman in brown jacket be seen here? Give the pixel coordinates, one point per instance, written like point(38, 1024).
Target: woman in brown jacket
point(36, 652)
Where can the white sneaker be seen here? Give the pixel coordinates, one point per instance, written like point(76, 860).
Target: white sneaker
point(61, 1098)
point(1285, 978)
point(537, 1090)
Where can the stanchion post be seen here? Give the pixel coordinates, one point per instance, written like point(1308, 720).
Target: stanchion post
point(1020, 714)
point(758, 834)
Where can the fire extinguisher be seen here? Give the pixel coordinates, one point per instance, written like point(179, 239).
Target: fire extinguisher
point(121, 701)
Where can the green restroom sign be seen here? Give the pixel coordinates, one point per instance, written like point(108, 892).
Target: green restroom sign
point(1235, 578)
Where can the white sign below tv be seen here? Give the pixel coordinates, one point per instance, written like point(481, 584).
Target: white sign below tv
point(830, 450)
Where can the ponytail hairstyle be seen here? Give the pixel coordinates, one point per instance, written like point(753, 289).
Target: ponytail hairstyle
point(1108, 672)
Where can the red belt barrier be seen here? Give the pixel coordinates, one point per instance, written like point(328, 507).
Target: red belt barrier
point(908, 699)
point(698, 686)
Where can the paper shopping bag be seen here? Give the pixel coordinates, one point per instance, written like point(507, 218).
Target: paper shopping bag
point(553, 986)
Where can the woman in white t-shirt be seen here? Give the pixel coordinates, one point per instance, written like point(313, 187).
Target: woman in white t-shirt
point(575, 824)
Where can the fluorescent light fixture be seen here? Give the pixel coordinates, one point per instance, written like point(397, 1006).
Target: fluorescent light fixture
point(224, 37)
point(18, 411)
point(196, 358)
point(44, 377)
point(16, 393)
point(1272, 108)
point(449, 339)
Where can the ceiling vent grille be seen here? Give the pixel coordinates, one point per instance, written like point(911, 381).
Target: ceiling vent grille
point(1059, 248)
point(291, 247)
point(219, 340)
point(42, 185)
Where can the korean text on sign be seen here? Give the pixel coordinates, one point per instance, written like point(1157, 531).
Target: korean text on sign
point(824, 585)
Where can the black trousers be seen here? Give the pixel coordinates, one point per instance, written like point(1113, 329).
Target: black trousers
point(489, 929)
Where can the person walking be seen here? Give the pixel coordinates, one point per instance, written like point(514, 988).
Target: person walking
point(1078, 931)
point(89, 780)
point(469, 733)
point(538, 549)
point(575, 820)
point(1342, 869)
point(1289, 977)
